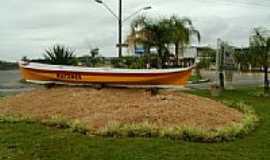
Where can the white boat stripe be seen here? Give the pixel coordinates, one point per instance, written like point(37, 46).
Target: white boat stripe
point(47, 67)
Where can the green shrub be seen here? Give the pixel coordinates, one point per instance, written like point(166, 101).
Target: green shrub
point(57, 121)
point(63, 123)
point(15, 119)
point(60, 55)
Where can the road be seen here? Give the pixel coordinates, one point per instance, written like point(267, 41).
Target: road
point(240, 79)
point(10, 81)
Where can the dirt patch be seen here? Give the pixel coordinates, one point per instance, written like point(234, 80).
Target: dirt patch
point(96, 108)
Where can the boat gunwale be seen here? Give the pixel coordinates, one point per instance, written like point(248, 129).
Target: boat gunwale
point(74, 69)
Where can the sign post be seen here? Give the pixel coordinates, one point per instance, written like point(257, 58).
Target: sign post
point(225, 63)
point(229, 65)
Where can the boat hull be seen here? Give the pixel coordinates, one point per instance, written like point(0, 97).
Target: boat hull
point(38, 75)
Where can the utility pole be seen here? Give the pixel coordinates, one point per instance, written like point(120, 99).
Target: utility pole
point(120, 30)
point(120, 20)
point(220, 63)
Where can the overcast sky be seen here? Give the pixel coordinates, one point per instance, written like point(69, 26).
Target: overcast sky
point(28, 27)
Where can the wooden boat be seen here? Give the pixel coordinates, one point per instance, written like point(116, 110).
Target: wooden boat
point(54, 74)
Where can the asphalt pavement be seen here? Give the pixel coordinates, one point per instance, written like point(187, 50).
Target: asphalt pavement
point(10, 81)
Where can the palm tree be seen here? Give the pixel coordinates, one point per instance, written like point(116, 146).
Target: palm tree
point(181, 30)
point(94, 52)
point(244, 59)
point(95, 57)
point(139, 34)
point(260, 47)
point(163, 32)
point(158, 34)
point(60, 55)
point(152, 33)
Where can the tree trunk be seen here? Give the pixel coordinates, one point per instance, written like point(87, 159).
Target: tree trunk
point(177, 53)
point(147, 48)
point(148, 56)
point(198, 71)
point(160, 57)
point(182, 50)
point(266, 82)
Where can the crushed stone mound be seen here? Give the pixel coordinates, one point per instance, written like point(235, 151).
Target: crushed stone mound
point(97, 108)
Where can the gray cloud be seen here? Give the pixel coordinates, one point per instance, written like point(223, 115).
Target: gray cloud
point(29, 26)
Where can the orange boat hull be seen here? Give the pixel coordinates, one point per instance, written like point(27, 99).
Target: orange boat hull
point(77, 77)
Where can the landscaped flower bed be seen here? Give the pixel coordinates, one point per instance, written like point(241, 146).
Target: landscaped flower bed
point(121, 112)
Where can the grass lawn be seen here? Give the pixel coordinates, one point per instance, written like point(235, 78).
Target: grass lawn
point(34, 141)
point(195, 78)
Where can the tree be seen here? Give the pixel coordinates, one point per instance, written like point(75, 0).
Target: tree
point(24, 58)
point(181, 31)
point(60, 55)
point(244, 59)
point(94, 52)
point(93, 59)
point(161, 33)
point(152, 33)
point(260, 47)
point(206, 58)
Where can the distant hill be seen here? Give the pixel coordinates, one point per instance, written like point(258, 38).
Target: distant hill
point(8, 65)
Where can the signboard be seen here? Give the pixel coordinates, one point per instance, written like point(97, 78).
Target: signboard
point(139, 50)
point(228, 57)
point(123, 45)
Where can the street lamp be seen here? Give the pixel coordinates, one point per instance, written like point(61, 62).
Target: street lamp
point(107, 7)
point(138, 11)
point(98, 1)
point(120, 21)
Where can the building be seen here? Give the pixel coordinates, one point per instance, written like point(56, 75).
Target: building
point(135, 48)
point(190, 51)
